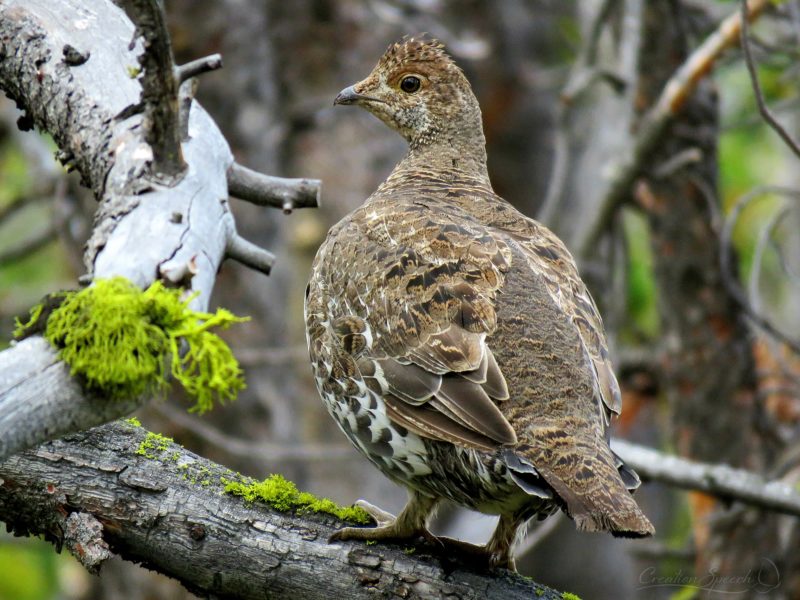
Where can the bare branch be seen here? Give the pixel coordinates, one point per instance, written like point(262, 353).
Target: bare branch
point(169, 512)
point(718, 480)
point(159, 87)
point(28, 246)
point(17, 204)
point(198, 67)
point(250, 255)
point(272, 356)
point(279, 192)
point(277, 453)
point(729, 278)
point(143, 230)
point(766, 113)
point(583, 75)
point(39, 399)
point(655, 122)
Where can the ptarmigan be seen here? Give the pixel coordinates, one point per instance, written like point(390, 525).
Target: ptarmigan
point(452, 338)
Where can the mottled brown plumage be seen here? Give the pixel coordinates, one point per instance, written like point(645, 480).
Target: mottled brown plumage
point(451, 336)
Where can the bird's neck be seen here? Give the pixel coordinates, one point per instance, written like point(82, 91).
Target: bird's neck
point(450, 153)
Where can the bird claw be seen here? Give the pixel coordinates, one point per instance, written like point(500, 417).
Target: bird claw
point(382, 518)
point(477, 555)
point(387, 529)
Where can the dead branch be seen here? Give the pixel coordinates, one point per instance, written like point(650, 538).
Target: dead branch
point(730, 278)
point(89, 97)
point(198, 67)
point(159, 87)
point(722, 481)
point(752, 69)
point(33, 243)
point(278, 192)
point(278, 453)
point(169, 513)
point(655, 122)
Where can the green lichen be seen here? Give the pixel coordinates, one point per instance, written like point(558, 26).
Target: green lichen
point(122, 342)
point(539, 591)
point(409, 551)
point(134, 422)
point(283, 495)
point(569, 596)
point(153, 445)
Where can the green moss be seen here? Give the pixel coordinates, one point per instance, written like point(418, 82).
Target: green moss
point(569, 596)
point(153, 444)
point(539, 591)
point(283, 495)
point(134, 422)
point(121, 341)
point(409, 551)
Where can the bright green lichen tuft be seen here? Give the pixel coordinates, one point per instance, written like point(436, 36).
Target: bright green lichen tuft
point(133, 421)
point(153, 444)
point(569, 596)
point(284, 496)
point(121, 340)
point(539, 591)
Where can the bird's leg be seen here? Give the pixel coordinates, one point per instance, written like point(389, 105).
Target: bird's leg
point(502, 541)
point(495, 554)
point(409, 524)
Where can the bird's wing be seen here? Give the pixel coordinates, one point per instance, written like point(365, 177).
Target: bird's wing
point(552, 262)
point(410, 296)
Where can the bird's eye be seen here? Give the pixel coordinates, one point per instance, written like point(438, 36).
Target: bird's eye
point(410, 84)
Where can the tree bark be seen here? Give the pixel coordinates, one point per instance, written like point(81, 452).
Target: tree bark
point(93, 493)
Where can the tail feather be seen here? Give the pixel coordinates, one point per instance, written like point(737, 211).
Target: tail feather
point(609, 508)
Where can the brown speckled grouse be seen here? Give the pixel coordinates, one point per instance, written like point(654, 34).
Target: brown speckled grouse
point(451, 336)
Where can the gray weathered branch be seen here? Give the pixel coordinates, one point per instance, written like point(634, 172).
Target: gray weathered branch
point(73, 68)
point(718, 480)
point(169, 513)
point(279, 192)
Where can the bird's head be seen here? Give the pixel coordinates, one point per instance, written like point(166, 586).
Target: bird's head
point(417, 89)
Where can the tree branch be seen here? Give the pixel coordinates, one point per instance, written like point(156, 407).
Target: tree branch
point(265, 190)
point(143, 230)
point(718, 480)
point(198, 67)
point(655, 122)
point(159, 87)
point(766, 113)
point(169, 513)
point(730, 279)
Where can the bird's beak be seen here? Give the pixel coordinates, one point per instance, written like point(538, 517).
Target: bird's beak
point(348, 95)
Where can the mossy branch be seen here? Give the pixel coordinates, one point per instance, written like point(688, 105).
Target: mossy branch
point(167, 508)
point(121, 342)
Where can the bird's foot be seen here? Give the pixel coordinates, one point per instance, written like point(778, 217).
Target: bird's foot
point(388, 528)
point(479, 556)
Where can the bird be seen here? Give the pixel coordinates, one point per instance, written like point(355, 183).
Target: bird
point(452, 338)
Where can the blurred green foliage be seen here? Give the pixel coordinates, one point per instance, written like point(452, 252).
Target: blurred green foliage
point(24, 282)
point(29, 569)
